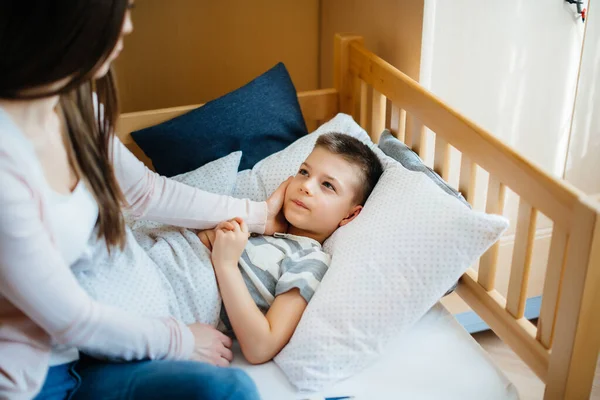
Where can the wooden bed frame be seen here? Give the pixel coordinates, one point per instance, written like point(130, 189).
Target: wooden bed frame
point(563, 348)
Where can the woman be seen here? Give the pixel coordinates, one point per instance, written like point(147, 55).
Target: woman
point(63, 180)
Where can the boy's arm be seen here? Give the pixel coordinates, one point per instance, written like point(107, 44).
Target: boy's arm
point(261, 337)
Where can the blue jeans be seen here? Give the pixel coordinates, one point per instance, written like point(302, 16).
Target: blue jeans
point(61, 382)
point(158, 380)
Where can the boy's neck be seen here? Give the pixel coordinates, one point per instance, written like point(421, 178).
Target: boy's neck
point(292, 230)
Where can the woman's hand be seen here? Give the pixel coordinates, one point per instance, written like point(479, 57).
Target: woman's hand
point(230, 240)
point(207, 237)
point(210, 345)
point(275, 219)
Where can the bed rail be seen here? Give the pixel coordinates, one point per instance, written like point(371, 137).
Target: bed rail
point(563, 348)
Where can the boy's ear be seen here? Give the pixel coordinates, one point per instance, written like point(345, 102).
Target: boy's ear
point(353, 214)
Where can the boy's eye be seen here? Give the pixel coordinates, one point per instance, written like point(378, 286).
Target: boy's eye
point(302, 171)
point(329, 186)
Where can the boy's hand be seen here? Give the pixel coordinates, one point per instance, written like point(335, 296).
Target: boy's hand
point(230, 240)
point(207, 236)
point(275, 220)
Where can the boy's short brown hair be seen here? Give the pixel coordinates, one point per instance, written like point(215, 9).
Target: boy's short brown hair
point(356, 153)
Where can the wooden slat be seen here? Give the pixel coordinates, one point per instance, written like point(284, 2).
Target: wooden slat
point(363, 104)
point(355, 97)
point(394, 120)
point(494, 205)
point(409, 136)
point(466, 181)
point(576, 339)
point(551, 293)
point(441, 160)
point(415, 136)
point(398, 122)
point(377, 116)
point(402, 125)
point(554, 198)
point(519, 334)
point(420, 139)
point(342, 78)
point(521, 262)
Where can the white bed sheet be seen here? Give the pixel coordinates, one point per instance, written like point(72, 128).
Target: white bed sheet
point(436, 359)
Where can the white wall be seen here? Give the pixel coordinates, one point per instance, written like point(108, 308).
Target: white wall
point(511, 66)
point(391, 29)
point(583, 163)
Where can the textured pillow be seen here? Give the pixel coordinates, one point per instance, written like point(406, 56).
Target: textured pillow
point(410, 160)
point(259, 119)
point(218, 176)
point(390, 265)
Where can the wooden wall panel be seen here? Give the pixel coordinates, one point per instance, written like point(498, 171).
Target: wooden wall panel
point(392, 29)
point(191, 51)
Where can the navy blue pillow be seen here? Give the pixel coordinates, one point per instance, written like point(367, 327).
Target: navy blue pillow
point(259, 119)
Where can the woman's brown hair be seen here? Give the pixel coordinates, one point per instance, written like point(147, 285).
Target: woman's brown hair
point(43, 42)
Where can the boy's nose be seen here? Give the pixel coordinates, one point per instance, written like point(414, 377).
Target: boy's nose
point(306, 188)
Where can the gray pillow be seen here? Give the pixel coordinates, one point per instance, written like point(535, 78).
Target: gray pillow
point(410, 160)
point(400, 152)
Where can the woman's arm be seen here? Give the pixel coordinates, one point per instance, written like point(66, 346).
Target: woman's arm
point(261, 337)
point(35, 279)
point(158, 198)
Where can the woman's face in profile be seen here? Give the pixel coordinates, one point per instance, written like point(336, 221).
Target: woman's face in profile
point(126, 29)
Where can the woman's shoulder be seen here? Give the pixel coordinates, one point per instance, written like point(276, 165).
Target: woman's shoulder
point(17, 160)
point(14, 146)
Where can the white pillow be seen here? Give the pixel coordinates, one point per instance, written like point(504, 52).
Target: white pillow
point(218, 176)
point(390, 265)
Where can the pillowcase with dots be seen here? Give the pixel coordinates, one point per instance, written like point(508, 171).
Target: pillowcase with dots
point(390, 265)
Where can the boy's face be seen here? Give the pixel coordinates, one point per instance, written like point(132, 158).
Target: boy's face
point(322, 195)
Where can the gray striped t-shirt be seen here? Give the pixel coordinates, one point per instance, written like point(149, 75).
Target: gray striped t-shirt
point(272, 265)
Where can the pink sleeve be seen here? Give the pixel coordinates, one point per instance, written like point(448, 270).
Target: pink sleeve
point(154, 197)
point(36, 280)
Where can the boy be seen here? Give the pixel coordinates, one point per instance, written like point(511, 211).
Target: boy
point(266, 282)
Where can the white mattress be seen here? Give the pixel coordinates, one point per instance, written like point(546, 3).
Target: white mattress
point(437, 359)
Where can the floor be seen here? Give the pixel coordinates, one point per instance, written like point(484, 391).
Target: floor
point(530, 387)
